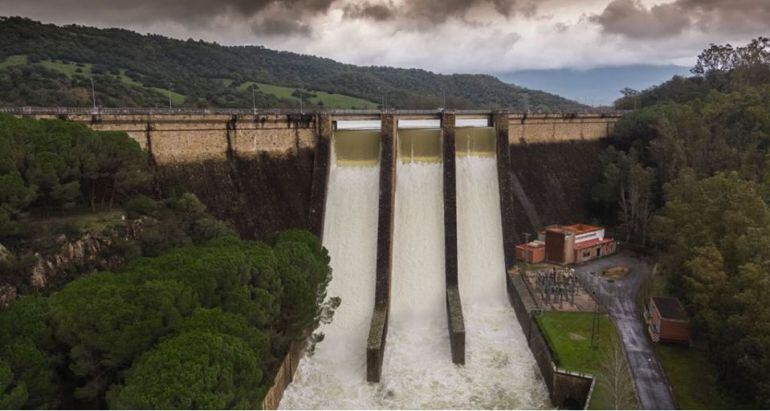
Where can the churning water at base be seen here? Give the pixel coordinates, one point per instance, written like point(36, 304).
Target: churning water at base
point(500, 371)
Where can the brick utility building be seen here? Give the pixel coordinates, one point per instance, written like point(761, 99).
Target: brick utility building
point(667, 321)
point(576, 243)
point(532, 252)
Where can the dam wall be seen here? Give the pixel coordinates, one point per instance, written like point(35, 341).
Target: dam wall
point(180, 135)
point(264, 171)
point(551, 183)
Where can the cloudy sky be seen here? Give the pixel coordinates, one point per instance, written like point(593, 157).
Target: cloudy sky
point(448, 36)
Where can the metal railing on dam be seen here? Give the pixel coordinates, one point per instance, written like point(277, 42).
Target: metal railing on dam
point(335, 113)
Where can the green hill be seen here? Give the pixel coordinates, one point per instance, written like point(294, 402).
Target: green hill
point(48, 65)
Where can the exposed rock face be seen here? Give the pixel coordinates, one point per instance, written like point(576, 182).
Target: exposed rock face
point(7, 291)
point(84, 250)
point(7, 295)
point(54, 266)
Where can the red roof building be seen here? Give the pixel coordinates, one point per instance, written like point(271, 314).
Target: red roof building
point(576, 243)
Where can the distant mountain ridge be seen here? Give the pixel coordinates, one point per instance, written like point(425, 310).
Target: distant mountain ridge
point(49, 65)
point(597, 86)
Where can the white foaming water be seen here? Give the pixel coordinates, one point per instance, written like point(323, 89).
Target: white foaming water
point(335, 375)
point(497, 356)
point(499, 371)
point(418, 371)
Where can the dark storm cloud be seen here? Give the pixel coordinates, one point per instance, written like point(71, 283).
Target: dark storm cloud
point(367, 10)
point(432, 11)
point(279, 26)
point(632, 19)
point(439, 11)
point(186, 12)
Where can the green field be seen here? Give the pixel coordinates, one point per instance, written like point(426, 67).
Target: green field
point(18, 60)
point(176, 98)
point(691, 376)
point(66, 68)
point(125, 79)
point(569, 335)
point(328, 100)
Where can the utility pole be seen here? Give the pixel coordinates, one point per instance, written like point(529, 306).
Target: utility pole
point(443, 92)
point(93, 93)
point(169, 95)
point(595, 319)
point(253, 100)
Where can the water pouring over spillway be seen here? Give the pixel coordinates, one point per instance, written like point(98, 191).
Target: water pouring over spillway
point(418, 372)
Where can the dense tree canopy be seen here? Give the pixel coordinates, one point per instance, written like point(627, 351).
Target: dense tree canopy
point(199, 326)
point(196, 370)
point(56, 165)
point(690, 173)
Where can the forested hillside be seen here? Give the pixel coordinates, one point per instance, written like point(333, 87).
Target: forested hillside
point(46, 65)
point(689, 174)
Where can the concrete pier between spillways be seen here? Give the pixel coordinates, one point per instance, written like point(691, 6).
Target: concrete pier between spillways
point(378, 331)
point(454, 306)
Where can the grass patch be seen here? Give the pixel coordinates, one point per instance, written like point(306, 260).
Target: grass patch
point(329, 100)
point(691, 377)
point(17, 60)
point(176, 98)
point(81, 219)
point(569, 335)
point(125, 79)
point(66, 68)
point(341, 101)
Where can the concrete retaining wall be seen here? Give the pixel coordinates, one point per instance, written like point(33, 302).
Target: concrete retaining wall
point(567, 389)
point(379, 325)
point(284, 376)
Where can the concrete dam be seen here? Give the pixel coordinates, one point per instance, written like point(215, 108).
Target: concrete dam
point(419, 210)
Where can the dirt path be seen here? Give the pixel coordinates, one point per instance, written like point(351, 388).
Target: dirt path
point(619, 298)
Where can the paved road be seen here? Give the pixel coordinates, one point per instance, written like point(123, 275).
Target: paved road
point(619, 298)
